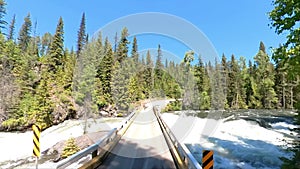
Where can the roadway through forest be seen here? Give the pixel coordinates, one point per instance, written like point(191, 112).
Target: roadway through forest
point(143, 146)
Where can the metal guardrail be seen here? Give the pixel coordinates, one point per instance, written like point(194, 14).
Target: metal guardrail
point(93, 149)
point(180, 152)
point(98, 149)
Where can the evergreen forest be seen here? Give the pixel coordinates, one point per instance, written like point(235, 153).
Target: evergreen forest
point(43, 82)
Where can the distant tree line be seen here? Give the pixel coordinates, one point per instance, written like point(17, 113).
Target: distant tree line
point(44, 83)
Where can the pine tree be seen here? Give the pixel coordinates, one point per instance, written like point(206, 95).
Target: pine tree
point(122, 48)
point(120, 84)
point(224, 79)
point(2, 14)
point(24, 34)
point(135, 93)
point(242, 83)
point(236, 82)
point(9, 95)
point(232, 82)
point(262, 47)
point(56, 51)
point(101, 99)
point(11, 31)
point(86, 84)
point(51, 88)
point(45, 44)
point(189, 98)
point(265, 79)
point(82, 38)
point(199, 74)
point(281, 85)
point(134, 51)
point(106, 70)
point(70, 148)
point(148, 75)
point(158, 73)
point(217, 95)
point(249, 100)
point(158, 64)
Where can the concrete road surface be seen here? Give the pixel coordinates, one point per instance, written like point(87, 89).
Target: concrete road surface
point(142, 147)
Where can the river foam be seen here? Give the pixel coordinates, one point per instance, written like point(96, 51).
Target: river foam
point(238, 143)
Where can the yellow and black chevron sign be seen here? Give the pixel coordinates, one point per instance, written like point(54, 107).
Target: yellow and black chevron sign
point(208, 159)
point(36, 140)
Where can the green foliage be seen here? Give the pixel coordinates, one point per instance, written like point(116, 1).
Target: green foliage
point(12, 123)
point(120, 115)
point(70, 148)
point(56, 51)
point(120, 84)
point(202, 85)
point(44, 83)
point(106, 70)
point(265, 79)
point(158, 72)
point(24, 34)
point(134, 51)
point(217, 95)
point(173, 106)
point(285, 19)
point(11, 30)
point(122, 49)
point(2, 14)
point(81, 41)
point(148, 73)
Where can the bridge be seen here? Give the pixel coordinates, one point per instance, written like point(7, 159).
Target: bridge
point(143, 141)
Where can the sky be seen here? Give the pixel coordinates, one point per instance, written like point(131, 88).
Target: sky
point(232, 26)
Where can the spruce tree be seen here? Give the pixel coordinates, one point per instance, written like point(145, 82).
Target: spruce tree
point(106, 70)
point(232, 82)
point(236, 82)
point(224, 79)
point(11, 30)
point(46, 43)
point(206, 94)
point(120, 84)
point(242, 83)
point(158, 73)
point(249, 87)
point(70, 148)
point(56, 51)
point(158, 64)
point(9, 88)
point(122, 48)
point(82, 38)
point(2, 14)
point(199, 74)
point(265, 79)
point(189, 98)
point(24, 34)
point(148, 75)
point(134, 51)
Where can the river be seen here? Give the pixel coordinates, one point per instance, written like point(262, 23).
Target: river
point(246, 139)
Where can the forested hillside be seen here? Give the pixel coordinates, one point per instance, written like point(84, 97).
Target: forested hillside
point(44, 82)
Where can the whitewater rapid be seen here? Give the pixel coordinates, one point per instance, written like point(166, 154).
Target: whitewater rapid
point(237, 143)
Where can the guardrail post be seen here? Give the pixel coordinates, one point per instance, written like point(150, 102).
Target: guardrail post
point(94, 153)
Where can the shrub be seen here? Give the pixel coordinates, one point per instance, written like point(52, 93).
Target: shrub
point(70, 148)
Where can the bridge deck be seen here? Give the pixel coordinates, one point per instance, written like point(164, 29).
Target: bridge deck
point(142, 146)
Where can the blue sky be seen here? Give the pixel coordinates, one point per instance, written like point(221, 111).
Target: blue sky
point(232, 26)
